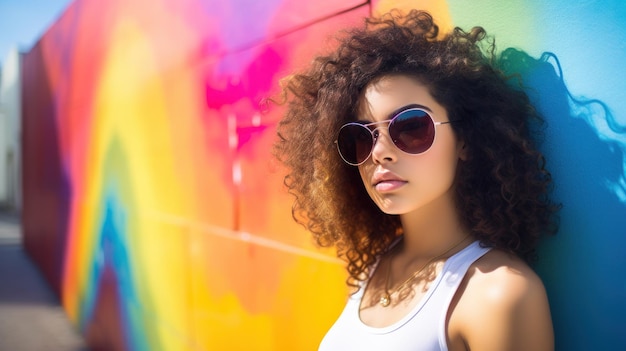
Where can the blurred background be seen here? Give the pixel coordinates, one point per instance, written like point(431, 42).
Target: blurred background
point(135, 149)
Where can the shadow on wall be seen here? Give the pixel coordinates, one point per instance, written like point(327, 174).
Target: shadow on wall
point(585, 149)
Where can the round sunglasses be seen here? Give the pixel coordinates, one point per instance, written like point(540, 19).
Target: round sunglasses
point(412, 130)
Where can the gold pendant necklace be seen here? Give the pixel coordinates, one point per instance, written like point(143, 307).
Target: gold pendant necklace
point(385, 300)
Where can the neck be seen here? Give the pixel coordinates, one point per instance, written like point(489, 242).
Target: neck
point(431, 230)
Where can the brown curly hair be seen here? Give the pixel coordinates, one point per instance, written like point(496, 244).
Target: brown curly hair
point(501, 188)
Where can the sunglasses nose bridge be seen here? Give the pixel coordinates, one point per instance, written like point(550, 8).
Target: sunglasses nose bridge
point(381, 149)
point(379, 125)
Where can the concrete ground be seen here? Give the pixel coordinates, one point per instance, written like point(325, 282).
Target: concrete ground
point(31, 318)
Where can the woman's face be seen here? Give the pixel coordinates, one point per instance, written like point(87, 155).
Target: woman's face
point(398, 182)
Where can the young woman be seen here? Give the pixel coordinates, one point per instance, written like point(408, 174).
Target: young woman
point(411, 154)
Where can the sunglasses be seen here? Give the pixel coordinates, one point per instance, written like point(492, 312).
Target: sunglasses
point(412, 130)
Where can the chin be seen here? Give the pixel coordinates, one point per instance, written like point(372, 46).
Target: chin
point(393, 209)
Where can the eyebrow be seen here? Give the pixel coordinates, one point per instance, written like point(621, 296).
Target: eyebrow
point(407, 107)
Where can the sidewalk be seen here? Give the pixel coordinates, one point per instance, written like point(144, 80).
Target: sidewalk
point(31, 318)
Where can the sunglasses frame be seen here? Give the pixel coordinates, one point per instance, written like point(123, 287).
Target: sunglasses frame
point(389, 122)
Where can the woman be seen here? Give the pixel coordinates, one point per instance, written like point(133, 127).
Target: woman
point(410, 153)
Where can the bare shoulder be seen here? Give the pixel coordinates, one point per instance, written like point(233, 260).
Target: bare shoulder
point(502, 278)
point(501, 305)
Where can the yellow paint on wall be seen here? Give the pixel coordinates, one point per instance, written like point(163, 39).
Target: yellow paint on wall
point(130, 111)
point(437, 8)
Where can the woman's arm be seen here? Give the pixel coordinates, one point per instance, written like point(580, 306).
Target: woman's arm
point(504, 307)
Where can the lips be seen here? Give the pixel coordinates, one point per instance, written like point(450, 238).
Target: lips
point(387, 181)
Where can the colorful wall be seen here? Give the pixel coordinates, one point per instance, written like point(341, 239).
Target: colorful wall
point(154, 208)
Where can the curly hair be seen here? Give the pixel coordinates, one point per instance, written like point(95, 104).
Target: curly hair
point(501, 189)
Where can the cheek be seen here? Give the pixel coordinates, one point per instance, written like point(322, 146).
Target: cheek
point(441, 170)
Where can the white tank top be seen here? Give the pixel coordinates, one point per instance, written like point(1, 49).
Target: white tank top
point(422, 329)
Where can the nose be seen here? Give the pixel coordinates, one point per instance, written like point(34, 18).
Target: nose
point(384, 150)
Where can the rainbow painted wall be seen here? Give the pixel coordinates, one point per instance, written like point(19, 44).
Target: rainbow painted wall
point(154, 208)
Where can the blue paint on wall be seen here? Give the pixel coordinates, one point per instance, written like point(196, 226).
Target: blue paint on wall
point(581, 91)
point(581, 266)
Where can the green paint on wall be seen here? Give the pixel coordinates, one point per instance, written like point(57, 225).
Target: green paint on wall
point(511, 22)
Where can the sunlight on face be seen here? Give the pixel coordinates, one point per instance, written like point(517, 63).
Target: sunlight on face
point(398, 182)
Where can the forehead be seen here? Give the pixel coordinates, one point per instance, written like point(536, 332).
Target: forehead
point(386, 94)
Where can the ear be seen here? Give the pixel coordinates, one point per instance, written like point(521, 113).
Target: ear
point(462, 150)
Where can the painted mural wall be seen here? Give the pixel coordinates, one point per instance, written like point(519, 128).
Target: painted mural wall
point(154, 208)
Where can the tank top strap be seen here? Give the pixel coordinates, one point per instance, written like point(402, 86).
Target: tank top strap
point(453, 273)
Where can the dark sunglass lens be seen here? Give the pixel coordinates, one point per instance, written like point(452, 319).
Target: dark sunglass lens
point(355, 143)
point(412, 131)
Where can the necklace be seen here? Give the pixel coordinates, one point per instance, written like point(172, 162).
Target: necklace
point(385, 300)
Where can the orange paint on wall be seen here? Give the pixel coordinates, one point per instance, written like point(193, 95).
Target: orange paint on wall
point(437, 8)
